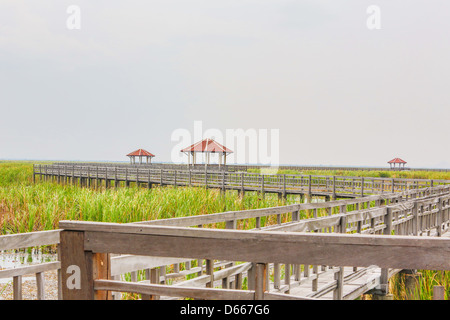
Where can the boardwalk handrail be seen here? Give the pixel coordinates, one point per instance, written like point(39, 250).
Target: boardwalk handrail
point(295, 208)
point(26, 240)
point(243, 167)
point(282, 184)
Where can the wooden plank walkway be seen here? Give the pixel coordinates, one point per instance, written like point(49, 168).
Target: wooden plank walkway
point(329, 187)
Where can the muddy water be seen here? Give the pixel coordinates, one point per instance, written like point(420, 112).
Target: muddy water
point(14, 259)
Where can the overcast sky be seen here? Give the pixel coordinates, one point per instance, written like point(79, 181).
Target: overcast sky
point(137, 71)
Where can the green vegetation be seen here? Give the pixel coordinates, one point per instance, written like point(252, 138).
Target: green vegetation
point(26, 207)
point(424, 281)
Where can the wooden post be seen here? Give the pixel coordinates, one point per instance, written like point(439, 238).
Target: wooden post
point(76, 267)
point(17, 288)
point(101, 269)
point(276, 275)
point(210, 272)
point(223, 182)
point(384, 278)
point(439, 217)
point(262, 186)
point(40, 286)
point(309, 187)
point(242, 184)
point(287, 276)
point(334, 187)
point(438, 293)
point(415, 221)
point(338, 293)
point(137, 176)
point(260, 280)
point(175, 178)
point(362, 187)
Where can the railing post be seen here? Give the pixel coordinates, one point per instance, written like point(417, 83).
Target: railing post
point(334, 187)
point(362, 187)
point(440, 216)
point(175, 178)
point(309, 188)
point(210, 272)
point(384, 278)
point(415, 221)
point(223, 182)
point(260, 280)
point(438, 293)
point(262, 186)
point(76, 267)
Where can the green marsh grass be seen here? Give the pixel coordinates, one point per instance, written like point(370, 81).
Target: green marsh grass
point(26, 207)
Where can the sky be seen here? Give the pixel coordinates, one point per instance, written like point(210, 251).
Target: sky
point(326, 88)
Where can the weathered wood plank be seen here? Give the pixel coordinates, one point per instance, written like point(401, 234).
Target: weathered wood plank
point(76, 267)
point(175, 291)
point(38, 268)
point(30, 239)
point(283, 247)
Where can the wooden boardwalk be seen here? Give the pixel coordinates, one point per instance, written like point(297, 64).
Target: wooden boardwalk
point(338, 249)
point(329, 187)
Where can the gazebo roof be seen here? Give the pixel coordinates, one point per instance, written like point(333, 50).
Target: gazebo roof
point(207, 145)
point(397, 160)
point(140, 153)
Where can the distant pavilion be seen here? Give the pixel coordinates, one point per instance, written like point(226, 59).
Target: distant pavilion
point(401, 163)
point(140, 153)
point(207, 146)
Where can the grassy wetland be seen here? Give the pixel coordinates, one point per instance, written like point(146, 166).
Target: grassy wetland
point(26, 206)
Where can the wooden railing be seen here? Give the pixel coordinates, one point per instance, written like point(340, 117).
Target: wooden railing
point(283, 184)
point(27, 240)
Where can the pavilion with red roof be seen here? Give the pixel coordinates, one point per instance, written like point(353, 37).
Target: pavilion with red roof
point(398, 161)
point(207, 146)
point(140, 153)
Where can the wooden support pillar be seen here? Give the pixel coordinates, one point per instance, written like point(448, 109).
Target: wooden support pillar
point(262, 187)
point(384, 277)
point(260, 280)
point(438, 293)
point(79, 268)
point(410, 278)
point(242, 185)
point(210, 272)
